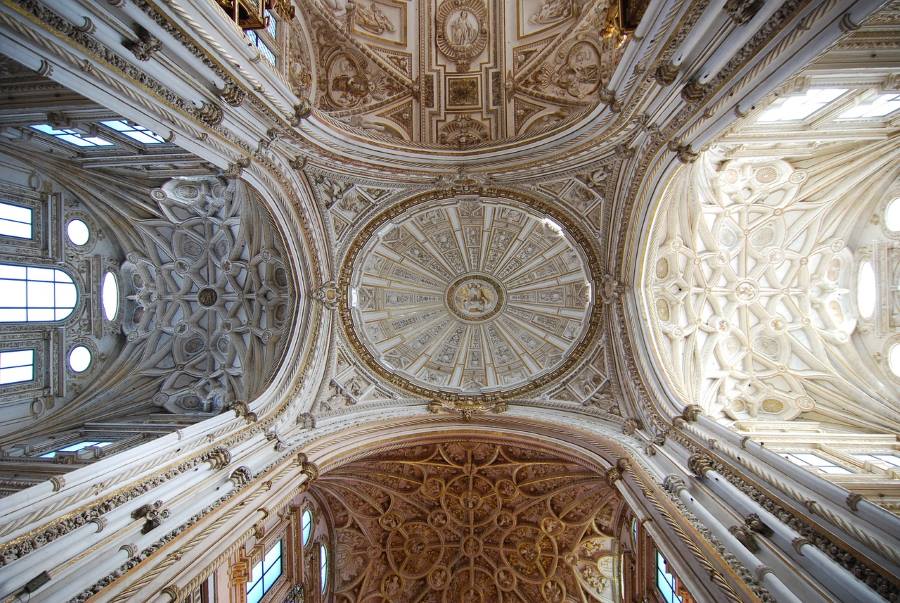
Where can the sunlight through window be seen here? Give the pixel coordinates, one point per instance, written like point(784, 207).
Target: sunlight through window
point(32, 294)
point(16, 366)
point(877, 106)
point(15, 221)
point(109, 294)
point(72, 136)
point(801, 106)
point(134, 131)
point(865, 290)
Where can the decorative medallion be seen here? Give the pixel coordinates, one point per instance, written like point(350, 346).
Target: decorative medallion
point(468, 300)
point(461, 30)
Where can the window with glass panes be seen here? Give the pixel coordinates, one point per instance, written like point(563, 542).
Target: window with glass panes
point(16, 366)
point(666, 582)
point(15, 221)
point(34, 294)
point(264, 574)
point(134, 131)
point(306, 526)
point(808, 460)
point(72, 136)
point(74, 448)
point(883, 460)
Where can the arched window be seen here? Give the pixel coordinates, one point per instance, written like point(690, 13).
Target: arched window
point(35, 294)
point(306, 526)
point(323, 566)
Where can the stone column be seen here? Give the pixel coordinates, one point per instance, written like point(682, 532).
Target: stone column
point(763, 573)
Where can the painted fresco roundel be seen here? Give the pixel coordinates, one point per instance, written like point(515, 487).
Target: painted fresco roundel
point(473, 297)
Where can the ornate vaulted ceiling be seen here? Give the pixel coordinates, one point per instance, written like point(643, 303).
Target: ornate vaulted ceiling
point(458, 74)
point(475, 296)
point(472, 521)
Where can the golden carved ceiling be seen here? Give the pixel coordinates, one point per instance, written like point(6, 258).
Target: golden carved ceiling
point(458, 74)
point(473, 296)
point(471, 521)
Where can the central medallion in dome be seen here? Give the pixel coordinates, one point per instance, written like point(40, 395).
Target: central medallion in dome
point(469, 297)
point(475, 298)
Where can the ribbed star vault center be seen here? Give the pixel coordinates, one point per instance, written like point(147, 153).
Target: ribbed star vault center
point(471, 296)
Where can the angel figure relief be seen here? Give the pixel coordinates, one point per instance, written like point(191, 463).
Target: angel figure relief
point(372, 18)
point(550, 11)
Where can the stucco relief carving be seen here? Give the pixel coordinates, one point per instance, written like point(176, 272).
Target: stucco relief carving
point(748, 286)
point(471, 296)
point(208, 301)
point(472, 522)
point(456, 73)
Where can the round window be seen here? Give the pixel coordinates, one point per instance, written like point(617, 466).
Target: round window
point(78, 232)
point(109, 293)
point(79, 359)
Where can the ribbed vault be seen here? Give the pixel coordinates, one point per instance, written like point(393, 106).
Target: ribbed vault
point(472, 521)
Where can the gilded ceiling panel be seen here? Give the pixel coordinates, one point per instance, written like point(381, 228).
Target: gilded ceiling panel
point(470, 521)
point(458, 74)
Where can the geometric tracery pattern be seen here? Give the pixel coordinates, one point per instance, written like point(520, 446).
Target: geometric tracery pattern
point(209, 300)
point(472, 521)
point(470, 296)
point(748, 284)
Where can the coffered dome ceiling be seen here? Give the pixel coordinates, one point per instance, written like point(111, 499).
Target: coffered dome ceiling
point(471, 296)
point(457, 74)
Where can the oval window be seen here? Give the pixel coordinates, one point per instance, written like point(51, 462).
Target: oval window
point(79, 359)
point(323, 566)
point(865, 290)
point(109, 293)
point(892, 215)
point(894, 359)
point(78, 232)
point(306, 526)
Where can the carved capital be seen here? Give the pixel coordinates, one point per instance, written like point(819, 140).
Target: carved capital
point(674, 484)
point(631, 425)
point(756, 524)
point(241, 476)
point(741, 11)
point(241, 409)
point(232, 94)
point(666, 74)
point(745, 536)
point(209, 113)
point(145, 45)
point(691, 413)
point(302, 110)
point(298, 162)
point(307, 420)
point(219, 458)
point(693, 91)
point(798, 544)
point(328, 295)
point(685, 153)
point(700, 464)
point(311, 471)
